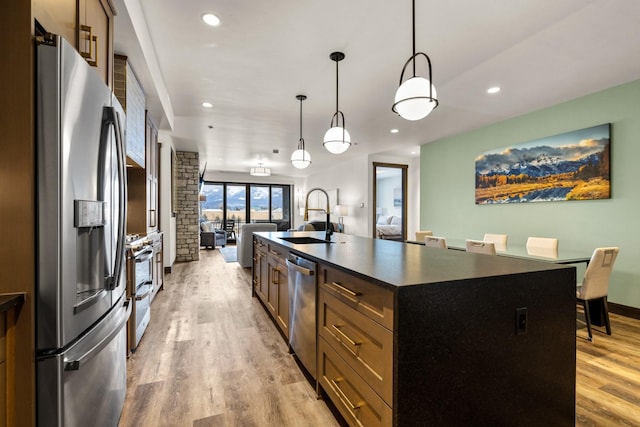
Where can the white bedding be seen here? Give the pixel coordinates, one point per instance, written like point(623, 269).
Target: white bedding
point(388, 231)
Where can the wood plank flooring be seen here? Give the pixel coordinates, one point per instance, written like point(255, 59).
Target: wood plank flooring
point(608, 374)
point(212, 357)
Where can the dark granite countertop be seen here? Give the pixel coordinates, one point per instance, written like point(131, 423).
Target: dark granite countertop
point(396, 264)
point(8, 301)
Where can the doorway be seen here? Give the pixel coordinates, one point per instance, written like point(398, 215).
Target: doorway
point(389, 201)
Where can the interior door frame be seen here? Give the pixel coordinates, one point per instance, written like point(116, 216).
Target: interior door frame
point(404, 169)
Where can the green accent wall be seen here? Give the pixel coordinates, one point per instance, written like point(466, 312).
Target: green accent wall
point(447, 169)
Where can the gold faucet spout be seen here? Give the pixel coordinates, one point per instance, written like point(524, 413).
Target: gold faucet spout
point(327, 210)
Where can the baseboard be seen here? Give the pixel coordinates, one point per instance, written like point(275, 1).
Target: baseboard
point(624, 310)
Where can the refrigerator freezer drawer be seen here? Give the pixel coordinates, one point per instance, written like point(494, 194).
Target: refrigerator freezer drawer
point(86, 384)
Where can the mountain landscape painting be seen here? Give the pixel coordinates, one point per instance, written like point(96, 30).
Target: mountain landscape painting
point(570, 166)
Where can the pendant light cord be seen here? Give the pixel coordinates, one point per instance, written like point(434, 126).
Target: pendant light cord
point(413, 14)
point(301, 142)
point(337, 109)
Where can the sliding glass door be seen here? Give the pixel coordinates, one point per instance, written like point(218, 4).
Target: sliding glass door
point(232, 204)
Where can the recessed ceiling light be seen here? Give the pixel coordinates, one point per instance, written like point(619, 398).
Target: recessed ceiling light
point(207, 105)
point(413, 152)
point(394, 130)
point(211, 19)
point(494, 89)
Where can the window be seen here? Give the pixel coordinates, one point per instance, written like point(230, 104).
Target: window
point(246, 203)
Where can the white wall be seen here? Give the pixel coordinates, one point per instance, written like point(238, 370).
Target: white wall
point(350, 179)
point(167, 220)
point(354, 181)
point(384, 199)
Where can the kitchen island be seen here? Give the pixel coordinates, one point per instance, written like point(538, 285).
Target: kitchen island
point(410, 335)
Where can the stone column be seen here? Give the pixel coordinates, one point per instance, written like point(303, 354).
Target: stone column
point(187, 215)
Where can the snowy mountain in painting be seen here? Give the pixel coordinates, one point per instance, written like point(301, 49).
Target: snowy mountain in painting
point(544, 166)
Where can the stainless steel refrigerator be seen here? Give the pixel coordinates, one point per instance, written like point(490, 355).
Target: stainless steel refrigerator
point(81, 311)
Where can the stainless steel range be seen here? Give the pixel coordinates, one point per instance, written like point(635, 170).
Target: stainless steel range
point(139, 287)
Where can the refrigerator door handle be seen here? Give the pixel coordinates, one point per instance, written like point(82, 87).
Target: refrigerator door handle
point(77, 362)
point(111, 118)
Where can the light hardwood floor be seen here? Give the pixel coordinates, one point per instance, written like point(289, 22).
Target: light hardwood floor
point(212, 357)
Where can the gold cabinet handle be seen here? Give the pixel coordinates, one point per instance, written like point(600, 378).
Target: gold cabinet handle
point(91, 56)
point(346, 290)
point(345, 336)
point(343, 396)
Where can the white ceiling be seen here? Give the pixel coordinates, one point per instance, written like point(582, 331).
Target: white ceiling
point(264, 53)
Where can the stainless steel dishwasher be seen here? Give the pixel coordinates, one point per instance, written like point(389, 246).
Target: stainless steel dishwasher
point(302, 311)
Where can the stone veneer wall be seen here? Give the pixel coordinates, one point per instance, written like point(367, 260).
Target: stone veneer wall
point(187, 216)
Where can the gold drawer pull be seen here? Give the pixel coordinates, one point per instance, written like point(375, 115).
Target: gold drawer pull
point(345, 336)
point(345, 290)
point(272, 252)
point(343, 396)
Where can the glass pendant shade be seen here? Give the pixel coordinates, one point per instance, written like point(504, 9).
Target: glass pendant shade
point(413, 101)
point(300, 159)
point(337, 140)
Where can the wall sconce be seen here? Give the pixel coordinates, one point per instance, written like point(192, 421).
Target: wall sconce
point(298, 197)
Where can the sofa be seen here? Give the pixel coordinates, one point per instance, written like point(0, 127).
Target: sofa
point(317, 226)
point(211, 237)
point(244, 241)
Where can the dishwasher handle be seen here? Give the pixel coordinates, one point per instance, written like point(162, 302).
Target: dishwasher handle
point(302, 270)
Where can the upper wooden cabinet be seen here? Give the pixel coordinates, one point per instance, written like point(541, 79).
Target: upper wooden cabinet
point(142, 194)
point(85, 24)
point(152, 160)
point(131, 96)
point(95, 35)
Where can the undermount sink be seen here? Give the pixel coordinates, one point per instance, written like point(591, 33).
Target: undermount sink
point(303, 240)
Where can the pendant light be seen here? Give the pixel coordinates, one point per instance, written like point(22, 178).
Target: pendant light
point(337, 140)
point(301, 158)
point(416, 97)
point(260, 171)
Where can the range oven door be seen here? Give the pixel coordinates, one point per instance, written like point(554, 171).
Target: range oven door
point(143, 311)
point(140, 287)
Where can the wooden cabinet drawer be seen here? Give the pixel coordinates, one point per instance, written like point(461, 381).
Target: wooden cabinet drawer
point(373, 301)
point(259, 244)
point(355, 400)
point(278, 253)
point(365, 345)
